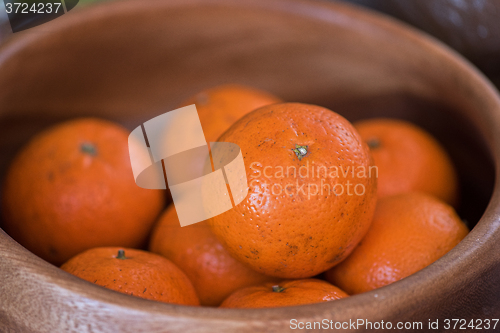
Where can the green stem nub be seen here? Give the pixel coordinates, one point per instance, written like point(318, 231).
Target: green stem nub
point(89, 148)
point(121, 255)
point(278, 289)
point(300, 151)
point(373, 143)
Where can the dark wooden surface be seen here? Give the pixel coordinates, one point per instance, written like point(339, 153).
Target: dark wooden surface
point(470, 27)
point(128, 61)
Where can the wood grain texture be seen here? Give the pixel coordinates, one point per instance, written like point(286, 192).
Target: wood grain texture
point(129, 61)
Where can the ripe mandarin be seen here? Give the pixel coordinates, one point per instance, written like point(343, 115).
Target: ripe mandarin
point(221, 106)
point(286, 293)
point(409, 159)
point(195, 250)
point(71, 188)
point(409, 232)
point(311, 198)
point(134, 272)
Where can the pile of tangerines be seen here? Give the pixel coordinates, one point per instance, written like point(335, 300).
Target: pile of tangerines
point(300, 236)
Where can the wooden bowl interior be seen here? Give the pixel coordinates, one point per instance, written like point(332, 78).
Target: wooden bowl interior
point(129, 69)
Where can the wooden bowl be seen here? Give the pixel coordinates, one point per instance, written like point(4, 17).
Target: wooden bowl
point(130, 60)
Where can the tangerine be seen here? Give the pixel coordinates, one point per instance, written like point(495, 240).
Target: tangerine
point(134, 272)
point(311, 197)
point(221, 106)
point(409, 159)
point(71, 188)
point(409, 232)
point(286, 293)
point(194, 249)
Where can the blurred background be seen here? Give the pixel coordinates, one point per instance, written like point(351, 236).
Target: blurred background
point(471, 27)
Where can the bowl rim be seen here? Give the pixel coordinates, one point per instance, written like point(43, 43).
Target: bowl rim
point(73, 290)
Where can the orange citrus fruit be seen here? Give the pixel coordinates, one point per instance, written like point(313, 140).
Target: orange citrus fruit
point(71, 188)
point(286, 293)
point(134, 272)
point(219, 107)
point(194, 249)
point(409, 232)
point(409, 159)
point(311, 197)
